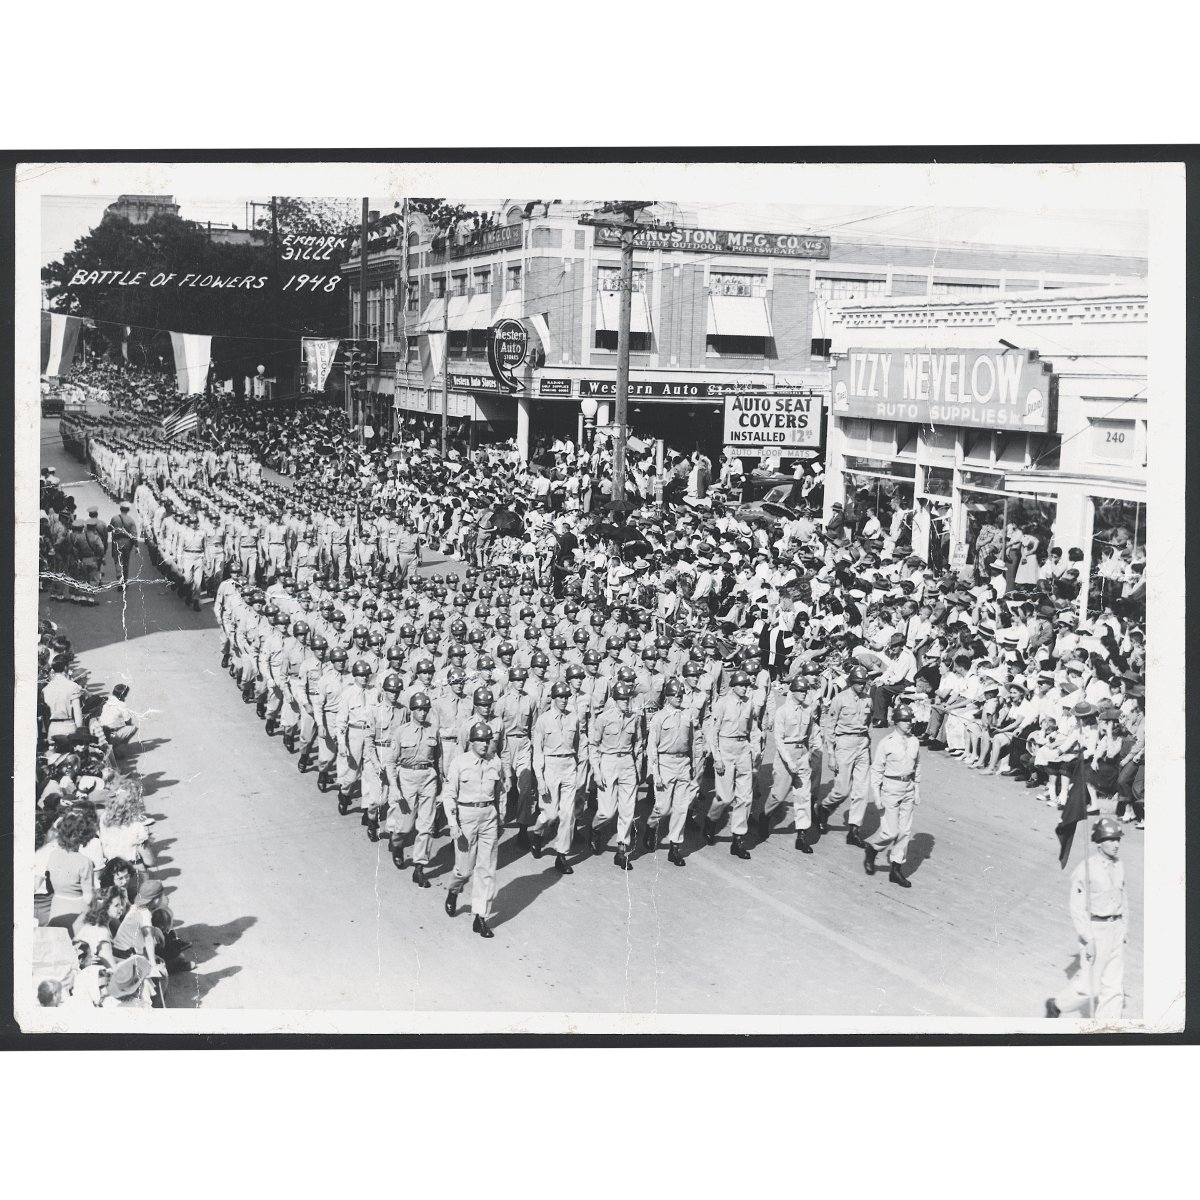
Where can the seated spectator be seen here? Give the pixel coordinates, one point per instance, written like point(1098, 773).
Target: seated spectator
point(123, 832)
point(116, 719)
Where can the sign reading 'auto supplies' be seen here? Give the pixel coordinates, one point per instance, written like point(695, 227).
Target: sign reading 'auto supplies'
point(757, 422)
point(997, 389)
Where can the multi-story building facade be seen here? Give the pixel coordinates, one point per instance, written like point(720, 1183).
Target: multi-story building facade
point(1025, 409)
point(137, 210)
point(714, 311)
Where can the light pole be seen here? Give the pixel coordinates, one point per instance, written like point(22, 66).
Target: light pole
point(589, 407)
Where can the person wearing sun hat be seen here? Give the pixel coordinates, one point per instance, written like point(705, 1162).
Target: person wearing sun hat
point(128, 985)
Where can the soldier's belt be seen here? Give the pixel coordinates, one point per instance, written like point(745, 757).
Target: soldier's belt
point(901, 778)
point(475, 804)
point(1114, 917)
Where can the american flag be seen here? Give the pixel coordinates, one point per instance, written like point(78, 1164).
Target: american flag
point(184, 419)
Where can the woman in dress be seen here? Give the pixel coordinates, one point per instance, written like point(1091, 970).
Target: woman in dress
point(96, 927)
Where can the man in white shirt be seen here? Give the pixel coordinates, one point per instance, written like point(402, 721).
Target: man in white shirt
point(897, 675)
point(116, 719)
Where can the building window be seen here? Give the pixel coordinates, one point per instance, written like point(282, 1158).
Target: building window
point(606, 339)
point(608, 279)
point(459, 343)
point(939, 481)
point(718, 346)
point(483, 282)
point(477, 343)
point(1045, 451)
point(1118, 558)
point(460, 284)
point(849, 289)
point(736, 284)
point(512, 277)
point(963, 289)
point(412, 301)
point(438, 286)
point(821, 347)
point(872, 483)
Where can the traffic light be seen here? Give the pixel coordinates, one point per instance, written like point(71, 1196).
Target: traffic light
point(355, 365)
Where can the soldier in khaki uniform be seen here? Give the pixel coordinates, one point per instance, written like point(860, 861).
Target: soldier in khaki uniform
point(352, 723)
point(791, 777)
point(413, 767)
point(472, 803)
point(896, 774)
point(848, 721)
point(670, 748)
point(556, 737)
point(732, 728)
point(614, 751)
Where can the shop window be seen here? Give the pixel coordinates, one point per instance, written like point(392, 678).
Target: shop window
point(460, 284)
point(736, 284)
point(1032, 514)
point(412, 300)
point(1010, 451)
point(608, 279)
point(938, 442)
point(906, 437)
point(884, 493)
point(459, 339)
point(850, 289)
point(977, 446)
point(821, 347)
point(725, 346)
point(1045, 451)
point(437, 286)
point(606, 339)
point(1118, 557)
point(477, 343)
point(939, 481)
point(483, 282)
point(857, 433)
point(1113, 441)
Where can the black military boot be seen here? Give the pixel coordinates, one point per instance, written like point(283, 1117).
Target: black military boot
point(596, 840)
point(650, 839)
point(535, 843)
point(225, 657)
point(822, 814)
point(675, 855)
point(710, 831)
point(260, 709)
point(248, 691)
point(895, 875)
point(621, 858)
point(370, 821)
point(324, 779)
point(853, 838)
point(396, 849)
point(451, 904)
point(343, 801)
point(480, 926)
point(802, 842)
point(737, 849)
point(419, 876)
point(562, 866)
point(271, 726)
point(869, 860)
point(289, 740)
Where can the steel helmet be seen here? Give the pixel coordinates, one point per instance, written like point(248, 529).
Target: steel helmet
point(580, 637)
point(361, 670)
point(482, 697)
point(338, 654)
point(627, 675)
point(392, 683)
point(457, 650)
point(456, 676)
point(1106, 830)
point(650, 654)
point(280, 618)
point(673, 688)
point(541, 659)
point(270, 611)
point(412, 604)
point(527, 590)
point(560, 691)
point(501, 621)
point(596, 620)
point(800, 684)
point(317, 644)
point(692, 670)
point(570, 608)
point(385, 616)
point(481, 731)
point(419, 701)
point(696, 655)
point(903, 713)
point(858, 674)
point(377, 638)
point(614, 643)
point(558, 642)
point(709, 641)
point(591, 658)
point(740, 679)
point(518, 673)
point(407, 631)
point(487, 662)
point(394, 654)
point(431, 637)
point(424, 667)
point(623, 692)
point(300, 629)
point(460, 601)
point(369, 603)
point(458, 630)
point(575, 671)
point(477, 637)
point(505, 650)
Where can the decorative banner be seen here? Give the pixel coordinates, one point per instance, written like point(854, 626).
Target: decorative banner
point(193, 353)
point(432, 349)
point(755, 422)
point(60, 340)
point(992, 388)
point(318, 355)
point(723, 241)
point(507, 346)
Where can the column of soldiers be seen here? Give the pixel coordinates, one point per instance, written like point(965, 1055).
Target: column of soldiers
point(463, 707)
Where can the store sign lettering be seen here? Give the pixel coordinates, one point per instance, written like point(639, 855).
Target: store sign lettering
point(724, 241)
point(754, 423)
point(991, 388)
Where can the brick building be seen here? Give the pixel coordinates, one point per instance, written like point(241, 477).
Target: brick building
point(715, 311)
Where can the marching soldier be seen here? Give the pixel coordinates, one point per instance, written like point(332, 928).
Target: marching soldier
point(124, 534)
point(515, 714)
point(669, 752)
point(896, 773)
point(791, 778)
point(413, 767)
point(472, 801)
point(329, 698)
point(614, 750)
point(731, 727)
point(556, 768)
point(353, 722)
point(848, 721)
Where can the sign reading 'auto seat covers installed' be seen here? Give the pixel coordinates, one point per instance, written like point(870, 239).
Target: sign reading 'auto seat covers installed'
point(756, 422)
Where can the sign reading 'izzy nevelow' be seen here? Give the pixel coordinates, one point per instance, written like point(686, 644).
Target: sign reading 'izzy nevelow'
point(994, 388)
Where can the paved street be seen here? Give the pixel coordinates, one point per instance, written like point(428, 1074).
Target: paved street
point(289, 906)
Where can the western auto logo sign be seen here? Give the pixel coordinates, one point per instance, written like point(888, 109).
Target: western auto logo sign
point(508, 347)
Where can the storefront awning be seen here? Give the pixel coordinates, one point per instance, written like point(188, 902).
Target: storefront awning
point(608, 312)
point(512, 306)
point(431, 318)
point(739, 316)
point(478, 313)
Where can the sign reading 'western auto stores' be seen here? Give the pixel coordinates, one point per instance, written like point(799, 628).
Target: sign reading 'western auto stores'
point(997, 389)
point(723, 241)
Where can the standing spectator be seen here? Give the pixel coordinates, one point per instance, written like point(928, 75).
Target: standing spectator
point(69, 869)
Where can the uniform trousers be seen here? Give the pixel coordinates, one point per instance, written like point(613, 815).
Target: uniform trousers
point(481, 829)
point(785, 791)
point(360, 560)
point(289, 710)
point(121, 557)
point(248, 558)
point(898, 798)
point(404, 564)
point(735, 787)
point(557, 801)
point(327, 746)
point(191, 567)
point(616, 794)
point(339, 556)
point(675, 789)
point(1108, 971)
point(276, 560)
point(518, 758)
point(350, 756)
point(418, 788)
point(851, 764)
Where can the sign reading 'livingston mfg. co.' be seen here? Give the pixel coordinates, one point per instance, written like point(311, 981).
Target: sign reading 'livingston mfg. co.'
point(723, 241)
point(997, 389)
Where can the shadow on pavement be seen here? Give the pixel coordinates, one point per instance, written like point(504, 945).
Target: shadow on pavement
point(151, 783)
point(513, 898)
point(920, 847)
point(187, 991)
point(206, 939)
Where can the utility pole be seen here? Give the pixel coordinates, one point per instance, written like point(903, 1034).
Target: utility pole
point(628, 228)
point(446, 342)
point(275, 292)
point(362, 301)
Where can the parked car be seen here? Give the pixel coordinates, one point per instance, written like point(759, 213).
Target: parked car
point(782, 502)
point(52, 404)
